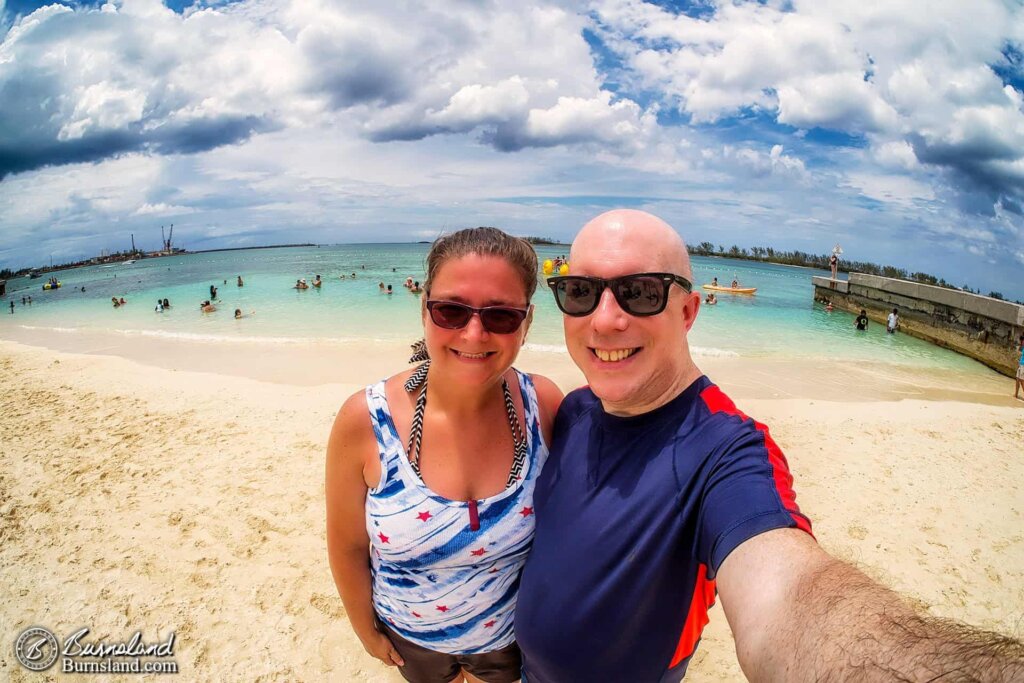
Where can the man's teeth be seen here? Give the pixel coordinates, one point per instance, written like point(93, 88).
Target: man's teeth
point(614, 355)
point(472, 355)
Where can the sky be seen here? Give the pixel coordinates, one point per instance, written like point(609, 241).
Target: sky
point(893, 128)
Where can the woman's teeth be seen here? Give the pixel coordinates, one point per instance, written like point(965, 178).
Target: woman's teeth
point(474, 356)
point(613, 355)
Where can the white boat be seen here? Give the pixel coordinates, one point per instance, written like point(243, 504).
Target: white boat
point(129, 262)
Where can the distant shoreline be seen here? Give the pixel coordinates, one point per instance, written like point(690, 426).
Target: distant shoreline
point(267, 246)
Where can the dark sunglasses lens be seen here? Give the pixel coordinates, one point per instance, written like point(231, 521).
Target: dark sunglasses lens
point(450, 316)
point(641, 295)
point(501, 320)
point(576, 296)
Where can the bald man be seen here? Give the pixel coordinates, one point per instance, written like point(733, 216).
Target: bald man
point(659, 494)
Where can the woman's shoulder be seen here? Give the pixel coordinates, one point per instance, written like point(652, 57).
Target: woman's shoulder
point(548, 394)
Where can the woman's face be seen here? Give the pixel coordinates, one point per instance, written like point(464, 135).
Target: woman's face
point(472, 354)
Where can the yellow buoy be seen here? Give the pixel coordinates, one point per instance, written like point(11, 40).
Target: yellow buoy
point(549, 266)
point(564, 269)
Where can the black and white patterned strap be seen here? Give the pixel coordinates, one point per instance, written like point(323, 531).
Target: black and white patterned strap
point(518, 439)
point(418, 380)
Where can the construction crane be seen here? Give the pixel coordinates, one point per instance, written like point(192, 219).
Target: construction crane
point(166, 239)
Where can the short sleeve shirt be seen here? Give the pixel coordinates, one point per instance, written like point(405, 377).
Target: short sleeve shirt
point(634, 518)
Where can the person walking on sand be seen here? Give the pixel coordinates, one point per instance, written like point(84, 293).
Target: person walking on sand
point(892, 322)
point(660, 497)
point(1019, 384)
point(430, 473)
point(12, 306)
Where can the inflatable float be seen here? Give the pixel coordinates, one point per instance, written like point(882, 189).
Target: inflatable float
point(52, 285)
point(549, 268)
point(732, 290)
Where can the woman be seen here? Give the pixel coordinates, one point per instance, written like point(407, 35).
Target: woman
point(430, 492)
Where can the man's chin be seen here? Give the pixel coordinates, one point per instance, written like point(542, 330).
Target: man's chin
point(612, 392)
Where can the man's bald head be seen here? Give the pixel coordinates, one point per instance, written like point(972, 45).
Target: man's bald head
point(632, 232)
point(633, 363)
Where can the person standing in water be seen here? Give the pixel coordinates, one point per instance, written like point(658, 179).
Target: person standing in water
point(862, 320)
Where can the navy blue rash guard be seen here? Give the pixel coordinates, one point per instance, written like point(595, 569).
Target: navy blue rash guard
point(634, 517)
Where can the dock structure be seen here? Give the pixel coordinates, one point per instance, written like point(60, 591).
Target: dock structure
point(985, 329)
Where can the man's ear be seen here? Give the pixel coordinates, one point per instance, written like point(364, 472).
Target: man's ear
point(691, 306)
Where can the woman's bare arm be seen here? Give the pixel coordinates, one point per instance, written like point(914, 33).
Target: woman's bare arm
point(348, 547)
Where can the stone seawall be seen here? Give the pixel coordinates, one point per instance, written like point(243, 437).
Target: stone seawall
point(983, 328)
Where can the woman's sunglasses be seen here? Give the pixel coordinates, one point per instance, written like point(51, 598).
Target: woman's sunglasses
point(640, 294)
point(495, 319)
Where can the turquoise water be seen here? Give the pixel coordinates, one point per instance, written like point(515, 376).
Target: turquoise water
point(780, 321)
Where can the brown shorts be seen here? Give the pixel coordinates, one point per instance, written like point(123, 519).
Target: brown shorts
point(427, 666)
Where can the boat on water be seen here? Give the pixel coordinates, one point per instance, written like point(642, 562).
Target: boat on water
point(731, 290)
point(129, 262)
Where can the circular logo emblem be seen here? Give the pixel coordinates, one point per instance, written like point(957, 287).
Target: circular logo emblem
point(36, 649)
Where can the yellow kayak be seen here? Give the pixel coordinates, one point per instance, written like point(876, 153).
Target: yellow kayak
point(733, 290)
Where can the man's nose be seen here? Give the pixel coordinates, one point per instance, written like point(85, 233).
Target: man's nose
point(608, 316)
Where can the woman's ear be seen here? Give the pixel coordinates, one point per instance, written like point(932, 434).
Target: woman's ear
point(526, 324)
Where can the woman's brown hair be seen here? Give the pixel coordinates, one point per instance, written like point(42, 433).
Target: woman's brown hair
point(485, 242)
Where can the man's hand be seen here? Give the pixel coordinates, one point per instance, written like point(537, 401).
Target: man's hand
point(799, 614)
point(381, 647)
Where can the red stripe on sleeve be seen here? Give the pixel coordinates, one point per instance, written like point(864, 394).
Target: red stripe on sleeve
point(718, 402)
point(697, 618)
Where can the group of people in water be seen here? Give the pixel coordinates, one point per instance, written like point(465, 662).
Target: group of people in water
point(892, 320)
point(210, 305)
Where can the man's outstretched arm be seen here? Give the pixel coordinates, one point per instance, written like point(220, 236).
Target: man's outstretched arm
point(798, 614)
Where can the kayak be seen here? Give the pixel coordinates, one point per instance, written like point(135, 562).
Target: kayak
point(733, 290)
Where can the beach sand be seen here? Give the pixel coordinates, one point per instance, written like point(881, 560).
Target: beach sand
point(180, 488)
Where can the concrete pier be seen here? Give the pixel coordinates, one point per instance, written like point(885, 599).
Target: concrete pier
point(981, 327)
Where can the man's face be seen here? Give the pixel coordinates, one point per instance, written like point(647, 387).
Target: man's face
point(654, 347)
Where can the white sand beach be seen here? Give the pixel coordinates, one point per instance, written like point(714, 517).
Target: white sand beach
point(181, 489)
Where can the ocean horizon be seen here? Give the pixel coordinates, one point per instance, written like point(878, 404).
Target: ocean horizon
point(780, 321)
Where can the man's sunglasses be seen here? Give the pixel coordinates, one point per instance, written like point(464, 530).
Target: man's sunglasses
point(495, 319)
point(640, 294)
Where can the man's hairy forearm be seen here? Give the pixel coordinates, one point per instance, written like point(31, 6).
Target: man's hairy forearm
point(844, 626)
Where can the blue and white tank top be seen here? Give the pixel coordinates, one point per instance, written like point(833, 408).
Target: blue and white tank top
point(437, 582)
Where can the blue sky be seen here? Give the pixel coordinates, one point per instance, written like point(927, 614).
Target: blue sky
point(894, 132)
